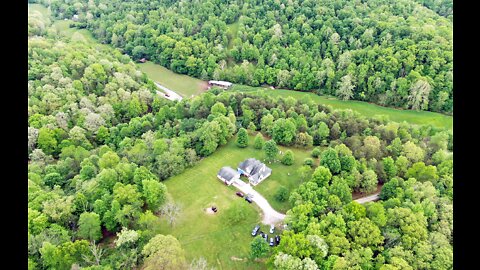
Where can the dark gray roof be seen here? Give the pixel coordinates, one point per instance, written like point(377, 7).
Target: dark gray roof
point(261, 173)
point(228, 173)
point(255, 168)
point(249, 165)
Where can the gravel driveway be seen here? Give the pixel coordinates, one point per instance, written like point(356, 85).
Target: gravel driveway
point(172, 94)
point(374, 197)
point(270, 216)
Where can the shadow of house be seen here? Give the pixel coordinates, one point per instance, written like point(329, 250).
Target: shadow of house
point(228, 175)
point(254, 170)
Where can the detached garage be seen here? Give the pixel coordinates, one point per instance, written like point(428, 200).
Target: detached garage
point(228, 175)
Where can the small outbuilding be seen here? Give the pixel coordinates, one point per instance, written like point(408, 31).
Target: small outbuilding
point(228, 175)
point(222, 84)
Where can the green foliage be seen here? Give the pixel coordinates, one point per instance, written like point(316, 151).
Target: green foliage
point(288, 158)
point(375, 63)
point(423, 173)
point(258, 142)
point(316, 152)
point(330, 160)
point(89, 226)
point(281, 194)
point(47, 141)
point(271, 150)
point(242, 139)
point(64, 255)
point(218, 108)
point(258, 247)
point(236, 213)
point(154, 193)
point(164, 251)
point(100, 140)
point(283, 131)
point(308, 162)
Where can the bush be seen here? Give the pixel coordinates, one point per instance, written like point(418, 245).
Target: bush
point(316, 152)
point(288, 158)
point(282, 194)
point(308, 162)
point(236, 213)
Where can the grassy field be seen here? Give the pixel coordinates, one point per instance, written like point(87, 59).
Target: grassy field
point(63, 27)
point(367, 109)
point(197, 188)
point(184, 85)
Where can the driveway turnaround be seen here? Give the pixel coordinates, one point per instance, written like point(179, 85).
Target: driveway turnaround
point(172, 94)
point(270, 216)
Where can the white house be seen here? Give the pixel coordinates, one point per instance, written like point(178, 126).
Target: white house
point(255, 170)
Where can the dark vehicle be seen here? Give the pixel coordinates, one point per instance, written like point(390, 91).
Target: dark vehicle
point(167, 95)
point(214, 209)
point(248, 199)
point(239, 194)
point(271, 241)
point(277, 239)
point(255, 230)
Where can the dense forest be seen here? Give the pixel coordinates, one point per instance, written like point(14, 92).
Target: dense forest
point(101, 142)
point(389, 52)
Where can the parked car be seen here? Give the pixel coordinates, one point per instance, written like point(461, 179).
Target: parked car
point(277, 239)
point(266, 237)
point(239, 194)
point(272, 228)
point(262, 234)
point(255, 230)
point(248, 199)
point(271, 241)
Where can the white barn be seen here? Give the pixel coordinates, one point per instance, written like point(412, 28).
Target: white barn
point(222, 84)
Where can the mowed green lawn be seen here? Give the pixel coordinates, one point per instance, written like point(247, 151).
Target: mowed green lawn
point(367, 109)
point(63, 27)
point(184, 85)
point(197, 188)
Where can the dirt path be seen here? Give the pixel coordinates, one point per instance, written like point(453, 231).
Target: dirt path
point(172, 95)
point(373, 197)
point(270, 216)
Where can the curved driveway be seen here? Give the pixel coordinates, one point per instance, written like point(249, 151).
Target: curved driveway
point(270, 216)
point(172, 94)
point(373, 197)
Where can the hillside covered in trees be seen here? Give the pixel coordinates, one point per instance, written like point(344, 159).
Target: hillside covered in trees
point(102, 143)
point(389, 52)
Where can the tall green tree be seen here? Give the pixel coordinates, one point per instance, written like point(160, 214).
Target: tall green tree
point(258, 142)
point(242, 139)
point(271, 150)
point(164, 252)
